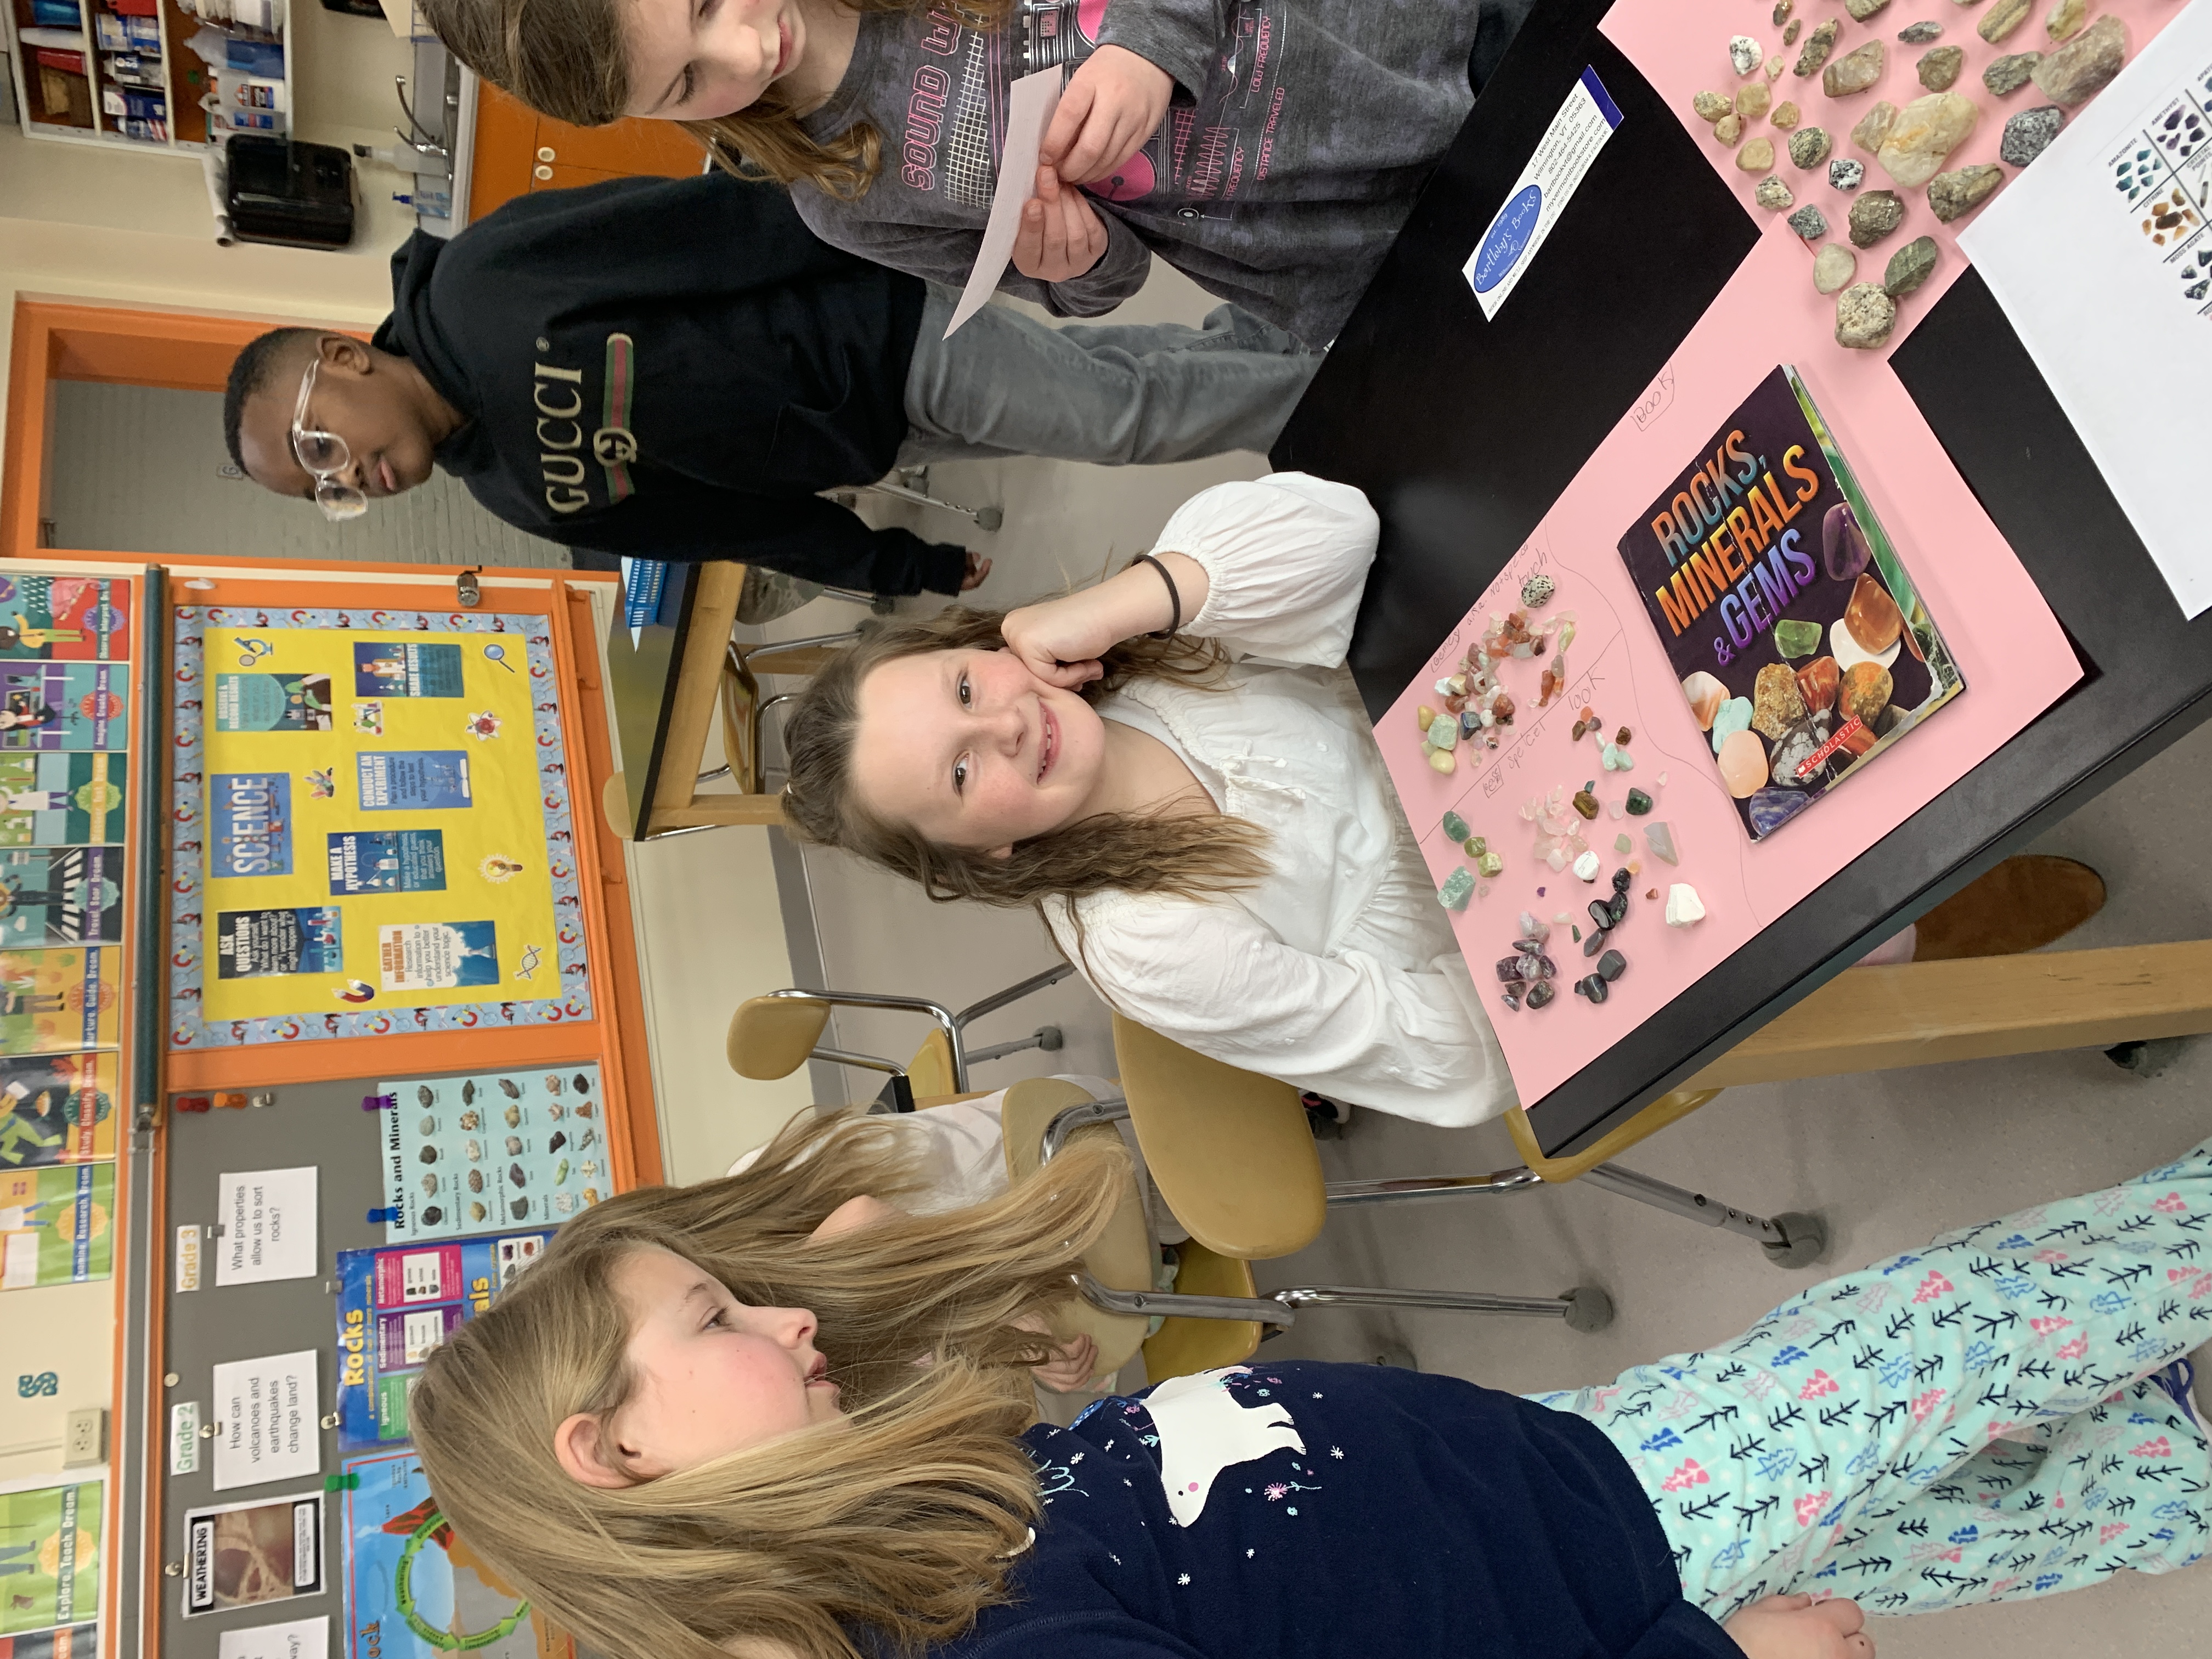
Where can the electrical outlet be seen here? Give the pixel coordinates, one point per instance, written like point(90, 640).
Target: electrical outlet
point(85, 1439)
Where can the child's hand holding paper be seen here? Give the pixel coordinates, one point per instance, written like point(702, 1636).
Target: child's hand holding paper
point(1060, 236)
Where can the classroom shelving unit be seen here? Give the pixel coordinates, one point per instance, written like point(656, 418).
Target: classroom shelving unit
point(92, 72)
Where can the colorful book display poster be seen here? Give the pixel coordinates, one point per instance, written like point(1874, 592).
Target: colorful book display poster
point(272, 702)
point(59, 999)
point(246, 1555)
point(464, 1155)
point(63, 896)
point(387, 861)
point(1802, 646)
point(61, 800)
point(414, 1588)
point(65, 705)
point(57, 1109)
point(374, 828)
point(400, 780)
point(250, 823)
point(387, 668)
point(64, 618)
point(395, 1306)
point(50, 1549)
point(265, 944)
point(57, 1226)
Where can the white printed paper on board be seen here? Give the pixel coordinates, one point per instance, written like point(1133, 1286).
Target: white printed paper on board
point(269, 1225)
point(268, 1414)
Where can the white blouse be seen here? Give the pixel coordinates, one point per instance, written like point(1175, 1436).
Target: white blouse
point(1337, 972)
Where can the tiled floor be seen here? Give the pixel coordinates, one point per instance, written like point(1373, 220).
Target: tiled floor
point(1890, 1158)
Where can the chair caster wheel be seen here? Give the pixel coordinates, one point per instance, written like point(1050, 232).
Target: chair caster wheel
point(1804, 1241)
point(1050, 1039)
point(989, 517)
point(1398, 1355)
point(1589, 1308)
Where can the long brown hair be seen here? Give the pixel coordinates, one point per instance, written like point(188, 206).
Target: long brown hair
point(896, 1524)
point(568, 59)
point(1190, 854)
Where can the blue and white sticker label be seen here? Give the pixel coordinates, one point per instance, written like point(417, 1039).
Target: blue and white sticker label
point(1533, 206)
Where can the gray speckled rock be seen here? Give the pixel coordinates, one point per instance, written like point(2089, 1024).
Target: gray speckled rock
point(1818, 45)
point(1909, 266)
point(1782, 10)
point(1855, 71)
point(1919, 34)
point(1875, 215)
point(1846, 173)
point(1834, 267)
point(2081, 67)
point(1865, 317)
point(1862, 9)
point(1773, 194)
point(1940, 67)
point(1954, 195)
point(1809, 148)
point(1810, 222)
point(2009, 75)
point(2029, 133)
point(1710, 105)
point(1789, 35)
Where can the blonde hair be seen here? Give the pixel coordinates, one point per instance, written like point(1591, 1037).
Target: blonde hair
point(894, 1526)
point(568, 59)
point(1196, 855)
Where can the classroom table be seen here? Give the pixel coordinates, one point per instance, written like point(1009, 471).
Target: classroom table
point(1464, 433)
point(666, 684)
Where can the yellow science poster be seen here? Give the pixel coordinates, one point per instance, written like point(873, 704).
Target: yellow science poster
point(374, 829)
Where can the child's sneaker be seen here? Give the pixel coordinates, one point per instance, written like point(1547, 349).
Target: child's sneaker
point(2178, 1380)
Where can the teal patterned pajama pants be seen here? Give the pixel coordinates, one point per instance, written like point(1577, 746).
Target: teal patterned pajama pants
point(1977, 1421)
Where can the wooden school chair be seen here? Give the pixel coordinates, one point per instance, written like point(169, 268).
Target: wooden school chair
point(741, 705)
point(773, 1035)
point(1233, 1156)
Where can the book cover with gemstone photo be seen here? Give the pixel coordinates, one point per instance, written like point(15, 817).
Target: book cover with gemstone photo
point(1801, 644)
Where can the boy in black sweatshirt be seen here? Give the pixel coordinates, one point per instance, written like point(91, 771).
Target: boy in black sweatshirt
point(674, 368)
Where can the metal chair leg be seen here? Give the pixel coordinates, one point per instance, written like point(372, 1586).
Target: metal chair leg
point(1792, 1240)
point(1047, 1037)
point(1585, 1307)
point(983, 518)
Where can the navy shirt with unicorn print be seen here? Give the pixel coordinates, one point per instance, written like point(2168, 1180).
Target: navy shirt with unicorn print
point(1305, 1510)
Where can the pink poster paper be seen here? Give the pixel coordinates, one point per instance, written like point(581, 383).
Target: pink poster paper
point(1682, 49)
point(2010, 648)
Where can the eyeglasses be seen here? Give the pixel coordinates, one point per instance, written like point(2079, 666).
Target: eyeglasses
point(325, 455)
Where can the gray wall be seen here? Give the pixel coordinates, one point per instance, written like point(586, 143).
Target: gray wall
point(143, 469)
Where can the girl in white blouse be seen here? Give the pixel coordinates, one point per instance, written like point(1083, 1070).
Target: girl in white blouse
point(1172, 768)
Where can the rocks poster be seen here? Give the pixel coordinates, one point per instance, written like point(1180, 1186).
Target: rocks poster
point(1802, 646)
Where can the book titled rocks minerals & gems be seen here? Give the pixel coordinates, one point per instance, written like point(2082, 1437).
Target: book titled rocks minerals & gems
point(1802, 646)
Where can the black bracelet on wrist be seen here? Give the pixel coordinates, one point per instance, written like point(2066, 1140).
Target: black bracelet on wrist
point(1174, 597)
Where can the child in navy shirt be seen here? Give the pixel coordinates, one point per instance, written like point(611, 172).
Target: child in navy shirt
point(671, 1463)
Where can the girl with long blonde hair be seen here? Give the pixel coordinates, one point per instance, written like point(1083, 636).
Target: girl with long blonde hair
point(685, 1434)
point(1172, 769)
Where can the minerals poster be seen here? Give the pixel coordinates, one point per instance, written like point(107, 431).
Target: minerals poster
point(62, 799)
point(374, 828)
point(465, 1155)
point(57, 1226)
point(395, 1305)
point(59, 999)
point(64, 618)
point(65, 705)
point(57, 1109)
point(64, 896)
point(414, 1590)
point(50, 1556)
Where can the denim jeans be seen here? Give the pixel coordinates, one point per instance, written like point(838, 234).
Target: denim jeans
point(1117, 395)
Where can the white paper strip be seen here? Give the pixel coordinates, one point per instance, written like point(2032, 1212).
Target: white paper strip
point(1029, 104)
